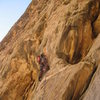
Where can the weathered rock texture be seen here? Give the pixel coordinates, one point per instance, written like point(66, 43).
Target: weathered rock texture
point(67, 32)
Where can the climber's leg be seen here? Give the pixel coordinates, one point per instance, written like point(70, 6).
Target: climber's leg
point(40, 75)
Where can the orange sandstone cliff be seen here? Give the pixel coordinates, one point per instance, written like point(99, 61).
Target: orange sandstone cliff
point(67, 31)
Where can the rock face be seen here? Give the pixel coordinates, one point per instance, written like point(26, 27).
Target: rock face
point(67, 32)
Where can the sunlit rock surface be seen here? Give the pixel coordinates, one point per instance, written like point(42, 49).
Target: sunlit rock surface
point(67, 32)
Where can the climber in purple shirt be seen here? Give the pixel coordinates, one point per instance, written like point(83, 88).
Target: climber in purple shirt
point(44, 67)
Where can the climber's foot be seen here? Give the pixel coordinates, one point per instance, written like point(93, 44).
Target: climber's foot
point(40, 78)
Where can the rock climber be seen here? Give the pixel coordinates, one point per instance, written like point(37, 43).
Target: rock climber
point(44, 67)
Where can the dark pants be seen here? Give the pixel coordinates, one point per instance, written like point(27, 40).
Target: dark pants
point(43, 70)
